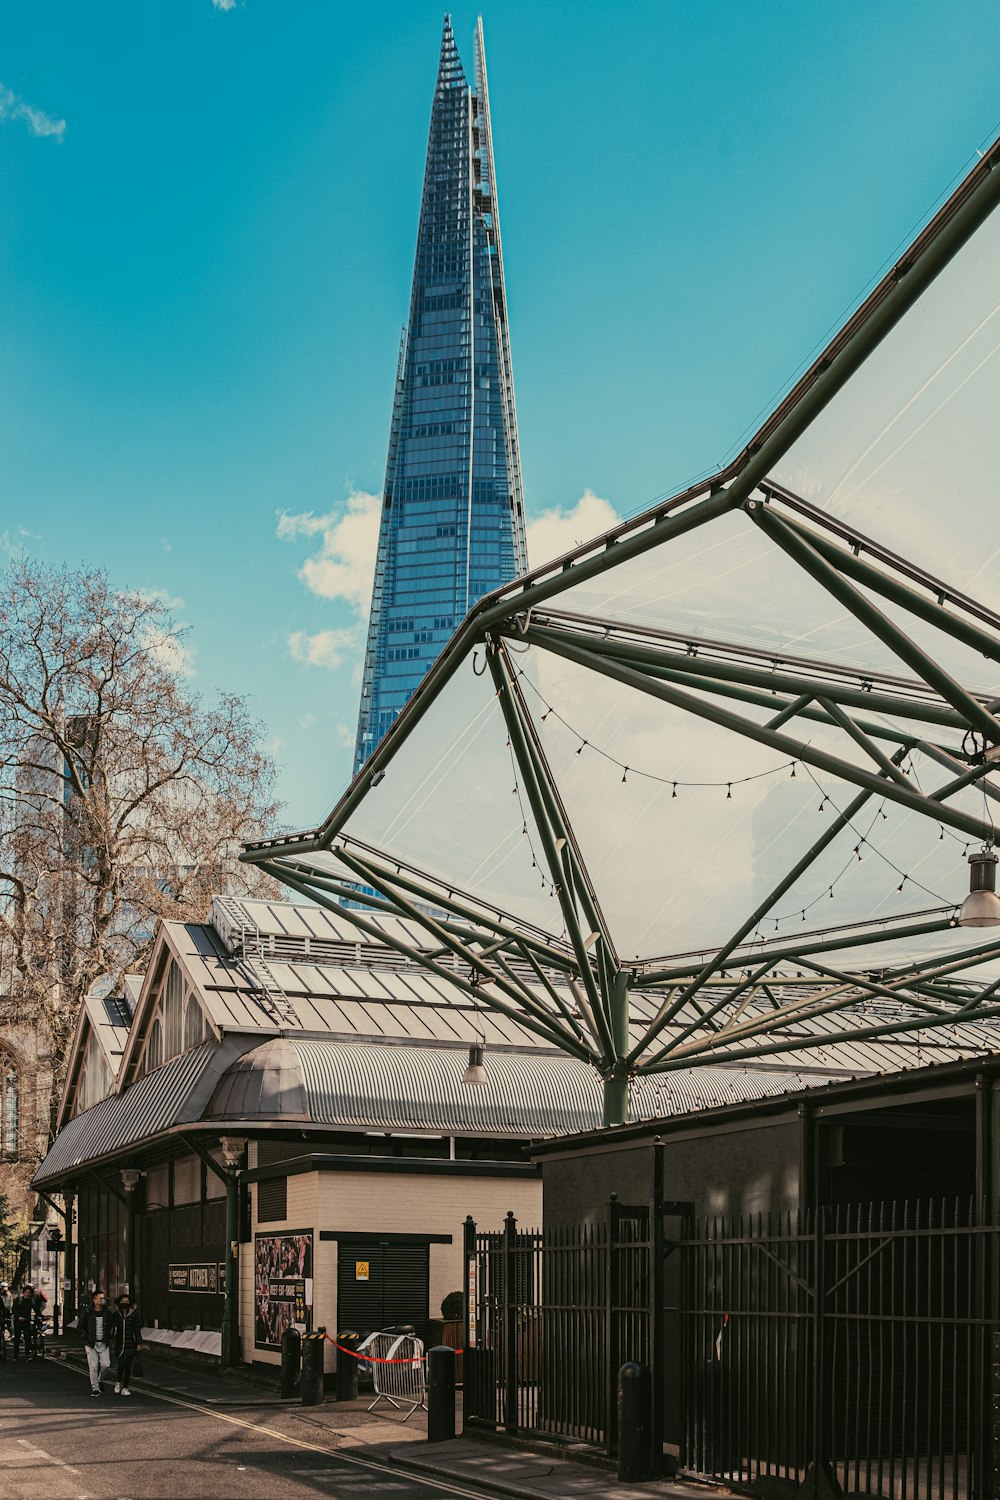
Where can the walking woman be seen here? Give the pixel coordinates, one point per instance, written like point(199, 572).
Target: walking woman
point(125, 1343)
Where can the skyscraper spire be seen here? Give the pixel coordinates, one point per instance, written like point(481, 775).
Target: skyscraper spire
point(452, 523)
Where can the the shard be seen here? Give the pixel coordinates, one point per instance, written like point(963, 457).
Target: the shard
point(452, 524)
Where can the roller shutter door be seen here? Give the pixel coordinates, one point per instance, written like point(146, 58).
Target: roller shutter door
point(396, 1290)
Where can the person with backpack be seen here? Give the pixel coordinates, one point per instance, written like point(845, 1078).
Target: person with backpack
point(125, 1343)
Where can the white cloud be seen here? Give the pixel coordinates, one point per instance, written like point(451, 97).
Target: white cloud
point(37, 121)
point(557, 531)
point(344, 565)
point(13, 541)
point(326, 648)
point(171, 650)
point(224, 4)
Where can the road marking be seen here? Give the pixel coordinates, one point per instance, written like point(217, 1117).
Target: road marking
point(41, 1457)
point(445, 1486)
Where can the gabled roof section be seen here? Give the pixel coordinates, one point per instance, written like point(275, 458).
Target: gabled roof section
point(104, 1021)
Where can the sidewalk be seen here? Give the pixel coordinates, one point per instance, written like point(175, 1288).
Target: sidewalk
point(530, 1476)
point(484, 1464)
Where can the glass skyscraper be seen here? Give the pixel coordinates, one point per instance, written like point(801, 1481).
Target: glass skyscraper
point(452, 523)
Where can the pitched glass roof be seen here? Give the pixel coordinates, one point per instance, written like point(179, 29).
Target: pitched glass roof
point(743, 742)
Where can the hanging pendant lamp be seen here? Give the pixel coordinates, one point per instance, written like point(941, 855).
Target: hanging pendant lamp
point(981, 907)
point(475, 1073)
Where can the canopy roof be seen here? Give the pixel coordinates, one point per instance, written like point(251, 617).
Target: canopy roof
point(716, 774)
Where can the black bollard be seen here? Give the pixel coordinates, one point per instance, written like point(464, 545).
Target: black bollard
point(440, 1394)
point(313, 1392)
point(347, 1366)
point(291, 1361)
point(635, 1423)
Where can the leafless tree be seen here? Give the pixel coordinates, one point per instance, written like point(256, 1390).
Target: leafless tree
point(123, 796)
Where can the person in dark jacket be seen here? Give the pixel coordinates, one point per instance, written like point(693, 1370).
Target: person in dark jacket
point(94, 1327)
point(125, 1343)
point(24, 1315)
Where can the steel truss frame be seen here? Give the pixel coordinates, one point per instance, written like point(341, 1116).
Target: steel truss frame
point(749, 998)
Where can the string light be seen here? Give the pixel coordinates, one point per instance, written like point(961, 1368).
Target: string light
point(585, 744)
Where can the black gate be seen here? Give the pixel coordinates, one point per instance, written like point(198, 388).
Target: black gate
point(849, 1347)
point(551, 1316)
point(850, 1351)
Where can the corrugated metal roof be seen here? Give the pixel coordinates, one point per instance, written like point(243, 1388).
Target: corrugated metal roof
point(156, 1101)
point(377, 1087)
point(420, 1088)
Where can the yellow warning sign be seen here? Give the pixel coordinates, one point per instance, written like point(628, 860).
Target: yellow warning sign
point(361, 1269)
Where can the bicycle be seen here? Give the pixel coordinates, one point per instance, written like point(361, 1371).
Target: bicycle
point(38, 1331)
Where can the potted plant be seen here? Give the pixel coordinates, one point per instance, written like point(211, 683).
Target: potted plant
point(449, 1329)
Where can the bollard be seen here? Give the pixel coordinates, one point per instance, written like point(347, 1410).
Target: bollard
point(440, 1394)
point(291, 1361)
point(347, 1366)
point(313, 1345)
point(635, 1423)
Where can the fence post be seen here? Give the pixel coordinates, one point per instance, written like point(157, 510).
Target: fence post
point(815, 1483)
point(656, 1305)
point(440, 1394)
point(635, 1424)
point(291, 1362)
point(611, 1328)
point(471, 1281)
point(510, 1322)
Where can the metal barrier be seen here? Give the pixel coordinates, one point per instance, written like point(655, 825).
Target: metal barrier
point(398, 1370)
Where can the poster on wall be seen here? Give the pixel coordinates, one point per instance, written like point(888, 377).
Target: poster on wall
point(193, 1278)
point(283, 1285)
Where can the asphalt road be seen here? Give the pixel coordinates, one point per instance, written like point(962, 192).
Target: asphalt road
point(57, 1442)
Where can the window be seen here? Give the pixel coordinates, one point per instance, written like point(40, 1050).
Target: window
point(154, 1047)
point(10, 1121)
point(194, 1023)
point(272, 1200)
point(172, 1006)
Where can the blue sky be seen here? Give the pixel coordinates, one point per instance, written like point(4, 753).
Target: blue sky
point(209, 213)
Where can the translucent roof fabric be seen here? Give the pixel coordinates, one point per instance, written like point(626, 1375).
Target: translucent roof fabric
point(745, 741)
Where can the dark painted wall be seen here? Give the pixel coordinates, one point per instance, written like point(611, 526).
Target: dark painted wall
point(747, 1168)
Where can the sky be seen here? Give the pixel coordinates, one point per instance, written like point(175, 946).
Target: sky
point(209, 217)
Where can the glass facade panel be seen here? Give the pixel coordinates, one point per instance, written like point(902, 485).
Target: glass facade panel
point(452, 514)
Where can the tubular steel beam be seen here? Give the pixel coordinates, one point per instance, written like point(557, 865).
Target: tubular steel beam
point(810, 1043)
point(951, 763)
point(550, 835)
point(861, 739)
point(696, 664)
point(572, 855)
point(668, 1011)
point(800, 549)
point(514, 990)
point(314, 892)
point(983, 642)
point(795, 749)
point(433, 892)
point(855, 939)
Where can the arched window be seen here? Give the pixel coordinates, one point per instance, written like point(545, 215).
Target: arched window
point(194, 1023)
point(154, 1047)
point(10, 1119)
point(173, 1012)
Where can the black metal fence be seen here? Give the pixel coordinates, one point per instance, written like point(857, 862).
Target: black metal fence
point(858, 1348)
point(856, 1343)
point(552, 1316)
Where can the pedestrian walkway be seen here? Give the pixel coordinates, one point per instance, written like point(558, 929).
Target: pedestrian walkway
point(497, 1469)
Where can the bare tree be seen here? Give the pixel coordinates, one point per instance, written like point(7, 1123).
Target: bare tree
point(123, 796)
